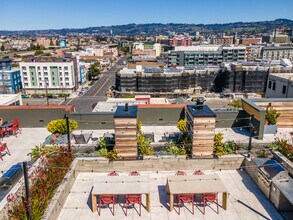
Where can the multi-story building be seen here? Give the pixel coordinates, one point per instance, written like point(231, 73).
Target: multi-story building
point(249, 41)
point(56, 75)
point(169, 81)
point(252, 52)
point(205, 55)
point(5, 63)
point(276, 38)
point(181, 41)
point(227, 40)
point(158, 48)
point(10, 81)
point(277, 52)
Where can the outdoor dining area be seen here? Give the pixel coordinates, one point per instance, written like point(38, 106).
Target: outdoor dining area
point(113, 188)
point(7, 128)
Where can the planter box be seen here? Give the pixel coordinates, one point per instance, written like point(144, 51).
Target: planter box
point(270, 129)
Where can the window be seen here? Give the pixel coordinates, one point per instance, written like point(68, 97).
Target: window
point(66, 67)
point(274, 85)
point(284, 89)
point(270, 84)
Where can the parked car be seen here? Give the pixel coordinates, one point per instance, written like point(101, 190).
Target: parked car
point(39, 96)
point(24, 96)
point(52, 97)
point(91, 83)
point(80, 93)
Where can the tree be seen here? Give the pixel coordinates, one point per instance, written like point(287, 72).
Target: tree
point(39, 52)
point(51, 42)
point(93, 71)
point(2, 48)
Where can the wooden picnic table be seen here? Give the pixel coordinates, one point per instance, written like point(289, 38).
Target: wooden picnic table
point(121, 185)
point(195, 184)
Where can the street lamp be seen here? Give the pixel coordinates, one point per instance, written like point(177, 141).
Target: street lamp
point(68, 131)
point(46, 88)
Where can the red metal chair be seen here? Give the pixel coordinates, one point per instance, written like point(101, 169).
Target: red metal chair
point(210, 197)
point(4, 148)
point(134, 173)
point(113, 173)
point(186, 198)
point(132, 200)
point(107, 200)
point(198, 172)
point(15, 127)
point(180, 173)
point(2, 133)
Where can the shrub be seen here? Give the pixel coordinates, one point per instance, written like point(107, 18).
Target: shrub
point(237, 104)
point(39, 150)
point(139, 125)
point(271, 115)
point(284, 147)
point(144, 145)
point(102, 142)
point(174, 150)
point(230, 147)
point(59, 126)
point(221, 148)
point(181, 125)
point(44, 181)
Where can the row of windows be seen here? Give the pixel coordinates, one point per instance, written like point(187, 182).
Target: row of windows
point(46, 68)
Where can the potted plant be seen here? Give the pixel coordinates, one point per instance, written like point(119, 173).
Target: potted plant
point(271, 117)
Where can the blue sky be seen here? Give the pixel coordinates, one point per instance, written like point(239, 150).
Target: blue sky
point(47, 14)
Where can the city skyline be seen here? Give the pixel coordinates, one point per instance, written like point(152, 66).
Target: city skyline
point(57, 15)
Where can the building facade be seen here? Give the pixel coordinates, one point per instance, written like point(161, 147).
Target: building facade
point(10, 81)
point(277, 53)
point(54, 75)
point(205, 55)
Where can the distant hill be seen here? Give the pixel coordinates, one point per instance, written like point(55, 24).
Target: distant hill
point(158, 28)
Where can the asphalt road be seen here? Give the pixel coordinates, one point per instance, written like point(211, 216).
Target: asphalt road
point(97, 92)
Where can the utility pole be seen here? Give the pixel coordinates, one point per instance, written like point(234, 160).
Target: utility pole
point(27, 192)
point(46, 87)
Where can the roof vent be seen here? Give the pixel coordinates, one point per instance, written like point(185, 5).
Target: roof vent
point(200, 102)
point(126, 107)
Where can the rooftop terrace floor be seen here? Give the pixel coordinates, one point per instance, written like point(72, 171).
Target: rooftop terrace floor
point(245, 200)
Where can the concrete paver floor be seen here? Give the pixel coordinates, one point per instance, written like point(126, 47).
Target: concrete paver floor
point(245, 200)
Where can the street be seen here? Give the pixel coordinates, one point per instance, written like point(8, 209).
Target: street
point(97, 92)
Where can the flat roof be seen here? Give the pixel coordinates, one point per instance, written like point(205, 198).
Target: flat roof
point(122, 113)
point(198, 112)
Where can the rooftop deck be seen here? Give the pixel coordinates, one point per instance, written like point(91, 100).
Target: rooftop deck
point(245, 200)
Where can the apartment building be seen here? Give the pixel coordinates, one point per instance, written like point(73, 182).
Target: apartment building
point(277, 52)
point(57, 75)
point(250, 41)
point(10, 81)
point(253, 52)
point(227, 40)
point(169, 81)
point(205, 55)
